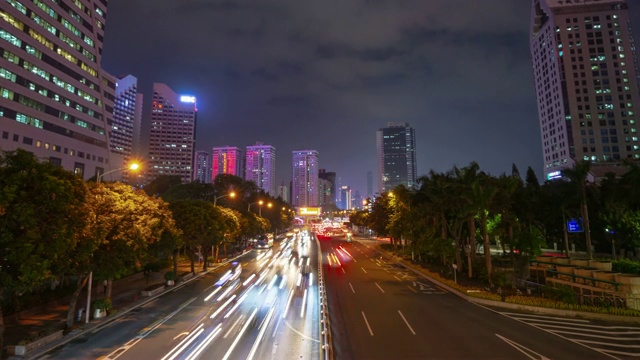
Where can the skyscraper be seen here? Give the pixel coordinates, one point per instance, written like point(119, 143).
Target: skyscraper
point(369, 184)
point(202, 167)
point(586, 82)
point(283, 192)
point(173, 134)
point(327, 187)
point(304, 190)
point(127, 117)
point(345, 198)
point(55, 99)
point(226, 160)
point(396, 156)
point(260, 166)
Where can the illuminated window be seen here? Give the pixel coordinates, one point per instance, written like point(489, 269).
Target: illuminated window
point(6, 74)
point(18, 5)
point(6, 93)
point(11, 57)
point(50, 28)
point(41, 39)
point(10, 38)
point(11, 20)
point(67, 56)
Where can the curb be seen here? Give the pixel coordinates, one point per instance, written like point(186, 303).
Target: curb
point(504, 305)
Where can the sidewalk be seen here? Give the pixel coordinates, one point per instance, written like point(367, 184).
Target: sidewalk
point(52, 316)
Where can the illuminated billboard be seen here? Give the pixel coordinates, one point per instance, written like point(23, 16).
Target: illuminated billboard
point(310, 211)
point(188, 99)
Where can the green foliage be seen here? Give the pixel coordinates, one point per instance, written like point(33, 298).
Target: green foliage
point(170, 276)
point(563, 294)
point(626, 266)
point(41, 214)
point(102, 304)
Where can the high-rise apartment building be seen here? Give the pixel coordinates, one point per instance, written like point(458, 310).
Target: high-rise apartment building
point(127, 116)
point(260, 166)
point(55, 100)
point(396, 156)
point(226, 160)
point(586, 82)
point(304, 190)
point(283, 192)
point(173, 134)
point(327, 187)
point(202, 167)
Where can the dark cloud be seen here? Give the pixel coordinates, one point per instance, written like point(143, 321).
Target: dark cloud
point(264, 74)
point(291, 100)
point(300, 73)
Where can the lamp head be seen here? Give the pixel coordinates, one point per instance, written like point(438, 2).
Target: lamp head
point(134, 166)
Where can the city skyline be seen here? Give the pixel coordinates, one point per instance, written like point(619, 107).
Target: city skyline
point(304, 77)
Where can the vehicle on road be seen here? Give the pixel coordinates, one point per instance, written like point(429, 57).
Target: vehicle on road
point(265, 241)
point(333, 261)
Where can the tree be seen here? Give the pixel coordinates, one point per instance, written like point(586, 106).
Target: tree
point(196, 220)
point(465, 180)
point(41, 213)
point(161, 184)
point(125, 223)
point(578, 176)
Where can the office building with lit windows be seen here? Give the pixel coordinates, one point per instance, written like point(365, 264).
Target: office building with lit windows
point(227, 160)
point(260, 166)
point(304, 191)
point(202, 167)
point(586, 82)
point(124, 131)
point(283, 192)
point(55, 100)
point(173, 134)
point(326, 188)
point(396, 145)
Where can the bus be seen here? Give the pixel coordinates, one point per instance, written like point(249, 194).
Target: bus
point(264, 241)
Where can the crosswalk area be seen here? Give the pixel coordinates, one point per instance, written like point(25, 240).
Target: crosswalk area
point(617, 341)
point(415, 284)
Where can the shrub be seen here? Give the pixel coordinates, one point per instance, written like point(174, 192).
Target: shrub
point(169, 276)
point(626, 266)
point(102, 304)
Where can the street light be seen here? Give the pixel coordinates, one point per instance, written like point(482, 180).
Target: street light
point(257, 202)
point(215, 199)
point(269, 205)
point(133, 166)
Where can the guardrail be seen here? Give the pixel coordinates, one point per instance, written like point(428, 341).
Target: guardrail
point(326, 341)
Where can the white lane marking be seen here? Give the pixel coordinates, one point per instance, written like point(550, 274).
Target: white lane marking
point(412, 289)
point(254, 348)
point(277, 326)
point(366, 322)
point(365, 271)
point(544, 317)
point(343, 271)
point(352, 290)
point(406, 322)
point(397, 278)
point(379, 287)
point(584, 331)
point(242, 331)
point(522, 349)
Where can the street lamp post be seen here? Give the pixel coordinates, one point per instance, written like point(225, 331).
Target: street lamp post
point(215, 199)
point(99, 177)
point(257, 202)
point(269, 205)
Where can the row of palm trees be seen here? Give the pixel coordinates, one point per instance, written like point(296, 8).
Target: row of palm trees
point(453, 212)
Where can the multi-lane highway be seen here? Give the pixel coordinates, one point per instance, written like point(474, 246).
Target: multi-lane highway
point(267, 310)
point(380, 310)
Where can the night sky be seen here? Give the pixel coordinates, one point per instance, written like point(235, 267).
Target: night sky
point(325, 75)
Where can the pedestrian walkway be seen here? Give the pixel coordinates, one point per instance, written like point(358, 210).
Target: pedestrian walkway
point(52, 316)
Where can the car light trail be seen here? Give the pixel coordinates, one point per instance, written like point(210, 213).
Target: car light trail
point(273, 281)
point(213, 293)
point(283, 282)
point(299, 280)
point(242, 331)
point(254, 348)
point(304, 303)
point(284, 314)
point(205, 342)
point(225, 293)
point(224, 278)
point(248, 280)
point(222, 307)
point(310, 279)
point(235, 306)
point(184, 343)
